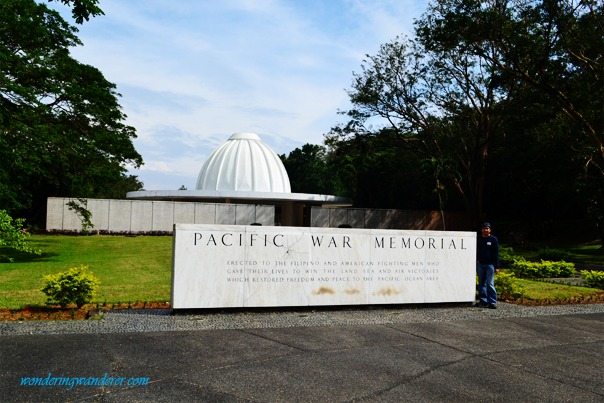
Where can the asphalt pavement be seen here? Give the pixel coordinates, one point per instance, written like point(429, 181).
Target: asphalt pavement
point(525, 359)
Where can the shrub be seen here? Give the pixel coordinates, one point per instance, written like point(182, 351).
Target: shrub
point(593, 278)
point(506, 257)
point(74, 286)
point(524, 269)
point(507, 286)
point(12, 235)
point(562, 268)
point(544, 269)
point(554, 254)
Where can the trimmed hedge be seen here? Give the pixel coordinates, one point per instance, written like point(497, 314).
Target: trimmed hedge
point(507, 286)
point(593, 278)
point(506, 257)
point(544, 269)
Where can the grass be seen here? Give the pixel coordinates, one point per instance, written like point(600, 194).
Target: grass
point(588, 252)
point(130, 269)
point(540, 291)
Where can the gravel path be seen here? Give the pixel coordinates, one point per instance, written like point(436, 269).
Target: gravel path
point(152, 320)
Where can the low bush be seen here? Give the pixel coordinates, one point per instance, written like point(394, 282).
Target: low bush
point(74, 286)
point(507, 286)
point(561, 268)
point(506, 257)
point(544, 269)
point(14, 236)
point(593, 278)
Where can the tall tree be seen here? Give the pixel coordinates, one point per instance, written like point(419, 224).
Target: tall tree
point(82, 9)
point(446, 106)
point(62, 130)
point(554, 46)
point(376, 171)
point(307, 170)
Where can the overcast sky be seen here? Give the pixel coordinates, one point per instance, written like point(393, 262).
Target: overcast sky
point(193, 72)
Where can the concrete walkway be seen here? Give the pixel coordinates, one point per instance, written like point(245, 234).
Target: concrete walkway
point(546, 358)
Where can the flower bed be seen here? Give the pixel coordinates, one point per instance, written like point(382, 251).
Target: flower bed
point(43, 313)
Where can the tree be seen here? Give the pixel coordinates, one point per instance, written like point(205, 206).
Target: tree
point(535, 174)
point(61, 126)
point(445, 106)
point(308, 171)
point(83, 9)
point(13, 236)
point(476, 69)
point(376, 171)
point(554, 46)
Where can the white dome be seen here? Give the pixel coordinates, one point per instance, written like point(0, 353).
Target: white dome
point(244, 163)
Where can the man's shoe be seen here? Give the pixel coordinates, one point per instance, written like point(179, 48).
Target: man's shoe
point(492, 306)
point(479, 304)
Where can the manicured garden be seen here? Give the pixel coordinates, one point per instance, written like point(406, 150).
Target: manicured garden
point(130, 268)
point(546, 275)
point(135, 272)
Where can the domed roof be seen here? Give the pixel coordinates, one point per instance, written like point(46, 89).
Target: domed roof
point(244, 163)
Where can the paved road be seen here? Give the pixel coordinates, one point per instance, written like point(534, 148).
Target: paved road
point(545, 358)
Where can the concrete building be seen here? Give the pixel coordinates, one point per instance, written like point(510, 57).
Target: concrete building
point(243, 182)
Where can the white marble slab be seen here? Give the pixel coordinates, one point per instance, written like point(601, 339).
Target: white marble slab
point(120, 215)
point(184, 213)
point(71, 221)
point(54, 213)
point(163, 216)
point(141, 216)
point(226, 266)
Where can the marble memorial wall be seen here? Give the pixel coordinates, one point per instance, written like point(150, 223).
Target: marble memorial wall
point(222, 266)
point(142, 217)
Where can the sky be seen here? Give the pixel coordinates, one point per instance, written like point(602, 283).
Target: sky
point(193, 72)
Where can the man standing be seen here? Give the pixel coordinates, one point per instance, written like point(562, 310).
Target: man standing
point(487, 263)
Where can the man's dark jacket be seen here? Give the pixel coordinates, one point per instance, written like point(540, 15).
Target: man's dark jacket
point(487, 250)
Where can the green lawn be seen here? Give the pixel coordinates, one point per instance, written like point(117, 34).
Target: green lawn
point(130, 269)
point(540, 291)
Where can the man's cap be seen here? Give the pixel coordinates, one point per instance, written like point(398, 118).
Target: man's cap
point(486, 225)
